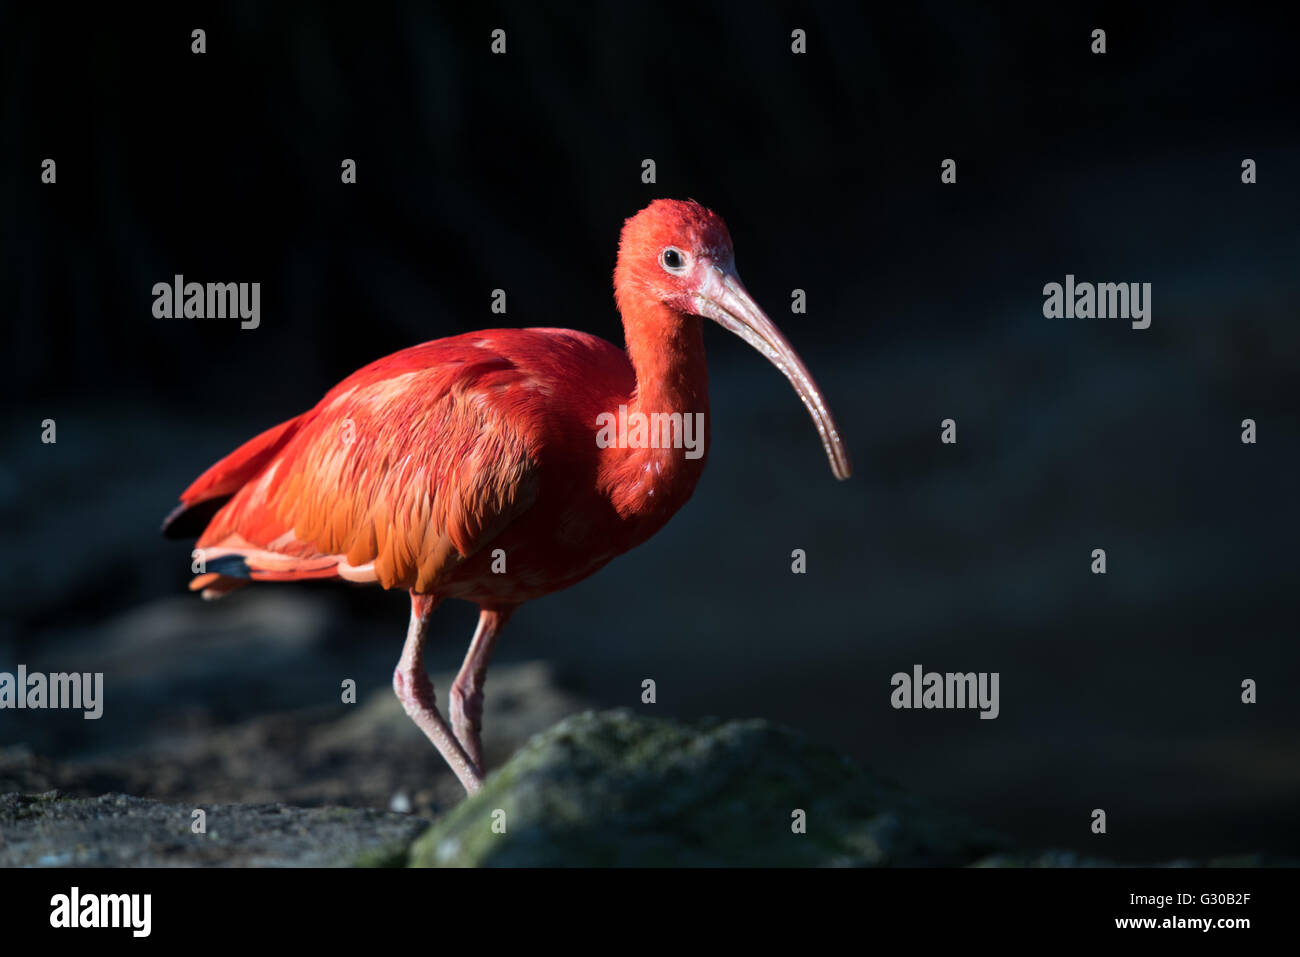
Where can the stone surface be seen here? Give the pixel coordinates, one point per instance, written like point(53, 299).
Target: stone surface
point(617, 788)
point(614, 788)
point(116, 830)
point(368, 754)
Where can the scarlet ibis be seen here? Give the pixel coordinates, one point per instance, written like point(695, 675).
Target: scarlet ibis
point(470, 467)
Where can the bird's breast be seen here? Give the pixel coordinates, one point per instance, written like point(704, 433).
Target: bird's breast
point(576, 527)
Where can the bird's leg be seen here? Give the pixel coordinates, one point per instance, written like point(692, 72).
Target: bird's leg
point(467, 689)
point(415, 691)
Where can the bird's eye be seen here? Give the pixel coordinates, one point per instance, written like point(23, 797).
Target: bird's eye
point(673, 259)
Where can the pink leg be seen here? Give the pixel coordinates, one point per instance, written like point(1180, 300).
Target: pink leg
point(467, 690)
point(415, 691)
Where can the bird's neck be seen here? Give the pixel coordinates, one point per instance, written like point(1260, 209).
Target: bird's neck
point(667, 354)
point(669, 407)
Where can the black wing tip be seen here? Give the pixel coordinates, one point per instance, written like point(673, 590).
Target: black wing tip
point(189, 521)
point(232, 566)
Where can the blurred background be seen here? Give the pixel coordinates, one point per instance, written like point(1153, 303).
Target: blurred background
point(477, 171)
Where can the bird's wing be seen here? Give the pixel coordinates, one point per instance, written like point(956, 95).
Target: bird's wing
point(403, 470)
point(221, 481)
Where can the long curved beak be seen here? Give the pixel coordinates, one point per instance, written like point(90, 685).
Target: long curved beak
point(722, 298)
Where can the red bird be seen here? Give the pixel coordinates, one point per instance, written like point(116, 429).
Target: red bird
point(481, 466)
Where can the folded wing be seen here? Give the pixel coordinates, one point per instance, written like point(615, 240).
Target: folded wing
point(402, 471)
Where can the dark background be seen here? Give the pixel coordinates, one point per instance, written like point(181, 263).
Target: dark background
point(478, 171)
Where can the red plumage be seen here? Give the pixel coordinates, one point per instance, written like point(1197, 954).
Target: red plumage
point(469, 467)
point(406, 469)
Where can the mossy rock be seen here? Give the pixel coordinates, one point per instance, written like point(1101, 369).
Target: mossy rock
point(621, 789)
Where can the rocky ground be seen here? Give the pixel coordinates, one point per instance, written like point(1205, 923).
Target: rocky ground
point(368, 755)
point(117, 830)
point(603, 789)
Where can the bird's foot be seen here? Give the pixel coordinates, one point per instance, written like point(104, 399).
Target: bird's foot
point(415, 691)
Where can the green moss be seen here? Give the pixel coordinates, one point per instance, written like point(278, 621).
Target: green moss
point(389, 855)
point(619, 788)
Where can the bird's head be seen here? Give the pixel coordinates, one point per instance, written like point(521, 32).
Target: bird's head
point(679, 254)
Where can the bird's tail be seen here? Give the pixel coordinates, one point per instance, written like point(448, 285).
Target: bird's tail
point(234, 563)
point(224, 569)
